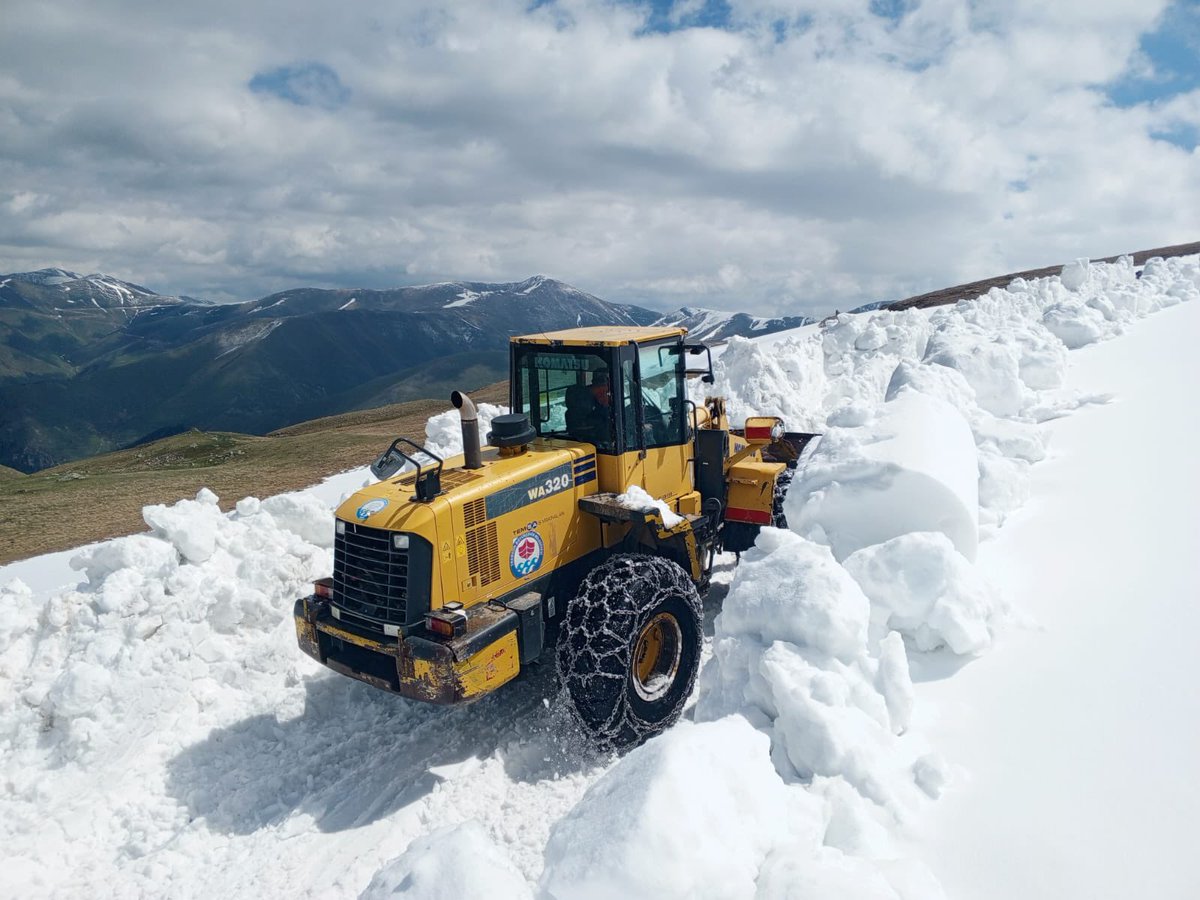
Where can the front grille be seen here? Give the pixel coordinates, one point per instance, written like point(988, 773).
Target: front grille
point(370, 576)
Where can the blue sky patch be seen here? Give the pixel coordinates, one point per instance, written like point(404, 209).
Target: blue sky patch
point(665, 16)
point(305, 84)
point(1173, 49)
point(890, 9)
point(1181, 134)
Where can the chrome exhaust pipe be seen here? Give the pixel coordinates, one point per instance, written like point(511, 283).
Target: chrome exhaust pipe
point(472, 456)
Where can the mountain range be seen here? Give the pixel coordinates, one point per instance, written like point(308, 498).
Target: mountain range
point(714, 325)
point(92, 363)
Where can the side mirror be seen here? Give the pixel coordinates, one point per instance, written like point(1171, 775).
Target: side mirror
point(387, 465)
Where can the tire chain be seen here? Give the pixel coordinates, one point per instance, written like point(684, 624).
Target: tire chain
point(599, 631)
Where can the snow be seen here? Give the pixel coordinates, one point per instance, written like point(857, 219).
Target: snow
point(694, 813)
point(792, 652)
point(876, 717)
point(467, 296)
point(921, 587)
point(1081, 736)
point(443, 432)
point(534, 283)
point(910, 465)
point(637, 498)
point(449, 864)
point(229, 341)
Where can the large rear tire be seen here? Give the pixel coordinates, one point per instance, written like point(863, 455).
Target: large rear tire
point(630, 649)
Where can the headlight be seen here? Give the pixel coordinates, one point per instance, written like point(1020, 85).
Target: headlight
point(400, 541)
point(339, 526)
point(776, 431)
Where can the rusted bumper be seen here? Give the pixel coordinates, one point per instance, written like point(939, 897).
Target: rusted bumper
point(420, 668)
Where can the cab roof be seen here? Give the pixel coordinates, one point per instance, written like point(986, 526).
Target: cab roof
point(602, 335)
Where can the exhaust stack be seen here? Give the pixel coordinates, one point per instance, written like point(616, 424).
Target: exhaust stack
point(470, 430)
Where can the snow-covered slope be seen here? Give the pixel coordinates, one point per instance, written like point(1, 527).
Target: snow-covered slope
point(72, 290)
point(720, 325)
point(875, 713)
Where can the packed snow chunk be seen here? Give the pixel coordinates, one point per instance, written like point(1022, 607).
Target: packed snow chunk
point(16, 603)
point(248, 506)
point(151, 556)
point(79, 689)
point(450, 864)
point(1075, 274)
point(303, 515)
point(919, 585)
point(443, 432)
point(894, 681)
point(191, 525)
point(791, 654)
point(789, 589)
point(990, 365)
point(1003, 487)
point(1043, 359)
point(785, 379)
point(637, 498)
point(913, 468)
point(1173, 280)
point(936, 381)
point(850, 414)
point(692, 813)
point(1006, 437)
point(1075, 324)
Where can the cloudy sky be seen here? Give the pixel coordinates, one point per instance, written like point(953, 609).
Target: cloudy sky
point(767, 155)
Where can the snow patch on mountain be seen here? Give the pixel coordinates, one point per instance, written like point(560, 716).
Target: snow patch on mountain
point(466, 297)
point(228, 341)
point(719, 325)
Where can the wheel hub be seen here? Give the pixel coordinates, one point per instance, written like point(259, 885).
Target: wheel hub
point(656, 657)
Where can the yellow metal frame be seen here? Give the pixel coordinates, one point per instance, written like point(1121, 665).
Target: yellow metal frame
point(601, 336)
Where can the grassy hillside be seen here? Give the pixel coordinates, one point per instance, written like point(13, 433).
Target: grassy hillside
point(102, 497)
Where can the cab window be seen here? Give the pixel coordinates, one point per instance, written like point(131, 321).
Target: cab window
point(661, 368)
point(567, 394)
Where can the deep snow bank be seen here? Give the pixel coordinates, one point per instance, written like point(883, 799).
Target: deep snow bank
point(792, 653)
point(701, 812)
point(908, 465)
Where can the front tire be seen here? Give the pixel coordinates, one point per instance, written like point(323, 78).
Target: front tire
point(630, 649)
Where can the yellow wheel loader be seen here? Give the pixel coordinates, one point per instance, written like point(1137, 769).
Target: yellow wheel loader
point(452, 575)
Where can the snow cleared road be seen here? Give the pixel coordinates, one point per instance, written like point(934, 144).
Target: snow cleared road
point(1082, 737)
point(161, 735)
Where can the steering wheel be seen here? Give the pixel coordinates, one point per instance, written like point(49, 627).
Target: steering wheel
point(656, 420)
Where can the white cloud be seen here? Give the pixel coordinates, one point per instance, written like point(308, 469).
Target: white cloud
point(858, 158)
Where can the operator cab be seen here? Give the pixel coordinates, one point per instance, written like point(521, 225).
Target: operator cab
point(620, 389)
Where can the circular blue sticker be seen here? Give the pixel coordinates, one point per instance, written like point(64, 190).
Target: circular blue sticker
point(527, 553)
point(369, 508)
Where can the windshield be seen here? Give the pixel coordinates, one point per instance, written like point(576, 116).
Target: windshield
point(567, 393)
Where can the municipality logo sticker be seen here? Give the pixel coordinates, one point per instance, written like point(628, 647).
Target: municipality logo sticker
point(369, 508)
point(527, 553)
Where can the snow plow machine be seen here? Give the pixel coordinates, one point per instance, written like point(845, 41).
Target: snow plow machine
point(587, 524)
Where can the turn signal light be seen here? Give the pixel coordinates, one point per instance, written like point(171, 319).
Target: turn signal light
point(447, 623)
point(323, 588)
